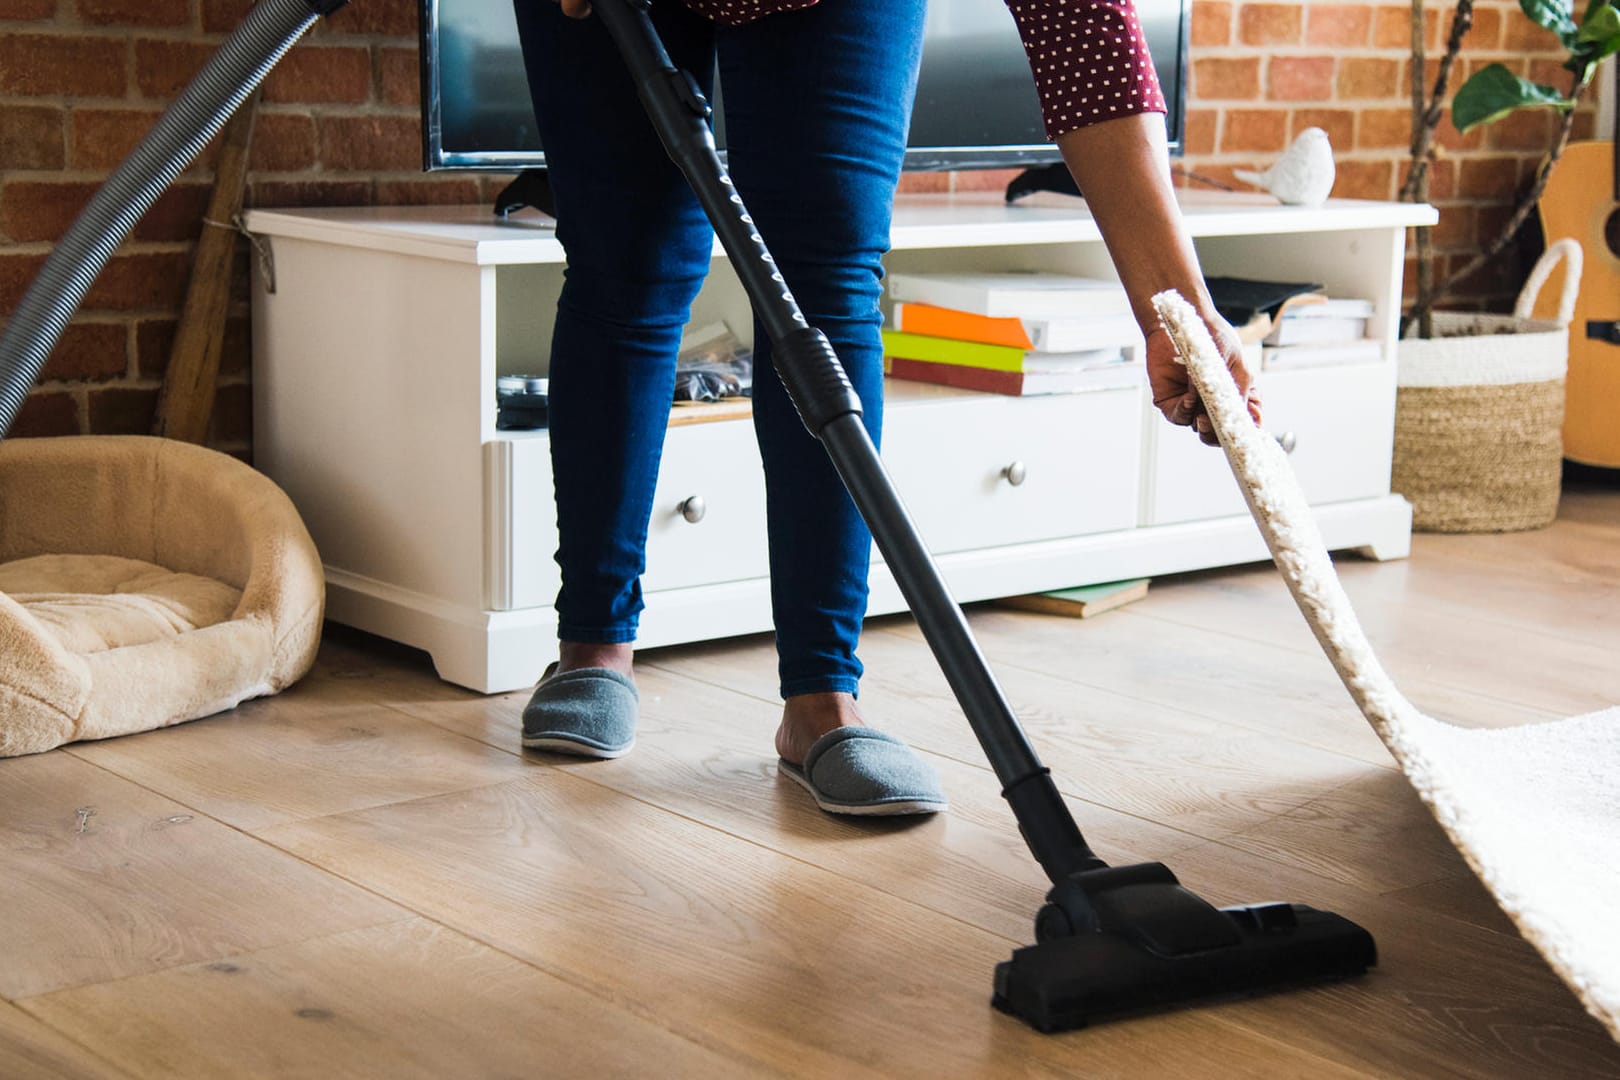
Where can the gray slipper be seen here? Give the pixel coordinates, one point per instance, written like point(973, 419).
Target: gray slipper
point(590, 712)
point(860, 770)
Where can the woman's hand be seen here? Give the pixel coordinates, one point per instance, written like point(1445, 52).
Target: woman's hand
point(1173, 394)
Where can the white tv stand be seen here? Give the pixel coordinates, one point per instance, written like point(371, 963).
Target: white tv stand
point(374, 408)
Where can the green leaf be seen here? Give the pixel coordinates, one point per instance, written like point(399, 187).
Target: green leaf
point(1555, 15)
point(1494, 92)
point(1600, 27)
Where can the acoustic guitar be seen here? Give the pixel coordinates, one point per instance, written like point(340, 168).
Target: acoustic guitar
point(1582, 200)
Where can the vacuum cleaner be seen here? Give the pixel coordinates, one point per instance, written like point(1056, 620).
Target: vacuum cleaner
point(1110, 940)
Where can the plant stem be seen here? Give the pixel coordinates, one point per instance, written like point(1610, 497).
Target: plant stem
point(1526, 203)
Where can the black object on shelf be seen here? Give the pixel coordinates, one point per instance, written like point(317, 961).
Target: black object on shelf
point(531, 187)
point(523, 402)
point(1239, 300)
point(1055, 177)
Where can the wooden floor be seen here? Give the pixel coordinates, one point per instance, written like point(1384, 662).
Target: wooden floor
point(364, 877)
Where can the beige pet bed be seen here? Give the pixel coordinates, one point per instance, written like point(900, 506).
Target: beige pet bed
point(143, 582)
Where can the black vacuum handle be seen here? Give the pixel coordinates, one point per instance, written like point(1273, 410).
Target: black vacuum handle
point(831, 411)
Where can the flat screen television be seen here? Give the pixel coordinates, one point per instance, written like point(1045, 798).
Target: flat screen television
point(976, 103)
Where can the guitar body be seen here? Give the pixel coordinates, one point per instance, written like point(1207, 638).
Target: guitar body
point(1578, 202)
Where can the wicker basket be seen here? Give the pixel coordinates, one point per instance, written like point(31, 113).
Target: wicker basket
point(1479, 408)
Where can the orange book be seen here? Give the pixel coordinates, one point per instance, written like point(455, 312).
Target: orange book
point(948, 323)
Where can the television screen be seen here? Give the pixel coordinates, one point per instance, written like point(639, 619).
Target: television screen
point(976, 103)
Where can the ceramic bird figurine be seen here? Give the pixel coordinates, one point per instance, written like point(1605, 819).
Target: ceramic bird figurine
point(1303, 176)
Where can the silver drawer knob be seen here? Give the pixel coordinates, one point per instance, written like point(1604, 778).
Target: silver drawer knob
point(1015, 473)
point(1287, 440)
point(693, 508)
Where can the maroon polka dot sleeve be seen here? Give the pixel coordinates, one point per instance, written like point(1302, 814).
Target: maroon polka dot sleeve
point(1089, 57)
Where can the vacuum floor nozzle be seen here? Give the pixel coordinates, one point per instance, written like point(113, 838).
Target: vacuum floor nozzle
point(1069, 982)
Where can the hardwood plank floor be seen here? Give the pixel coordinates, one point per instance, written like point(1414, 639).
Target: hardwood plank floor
point(365, 876)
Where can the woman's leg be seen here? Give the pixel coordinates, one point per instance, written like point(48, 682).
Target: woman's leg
point(638, 248)
point(817, 106)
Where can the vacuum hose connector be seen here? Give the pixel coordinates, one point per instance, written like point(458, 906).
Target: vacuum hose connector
point(195, 117)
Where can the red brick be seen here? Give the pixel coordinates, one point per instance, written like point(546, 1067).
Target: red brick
point(1488, 178)
point(1392, 27)
point(310, 74)
point(399, 78)
point(177, 214)
point(1254, 130)
point(122, 410)
point(1364, 180)
point(1385, 128)
point(134, 12)
point(1523, 35)
point(1201, 127)
point(1224, 79)
point(1269, 24)
point(1585, 126)
point(391, 18)
point(89, 351)
point(1368, 78)
point(223, 16)
point(1486, 33)
point(282, 142)
point(1442, 178)
point(51, 64)
point(1447, 137)
point(1223, 174)
point(1551, 72)
point(26, 10)
point(17, 272)
point(1527, 129)
point(136, 282)
point(101, 138)
point(446, 191)
point(51, 412)
point(370, 143)
point(911, 183)
point(154, 341)
point(1338, 24)
point(232, 420)
point(1300, 78)
point(1455, 230)
point(1340, 125)
point(31, 137)
point(164, 68)
point(984, 179)
point(33, 211)
point(1211, 23)
point(270, 193)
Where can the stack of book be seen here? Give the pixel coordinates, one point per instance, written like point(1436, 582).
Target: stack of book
point(1313, 330)
point(1012, 333)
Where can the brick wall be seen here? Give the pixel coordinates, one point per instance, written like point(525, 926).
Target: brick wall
point(82, 80)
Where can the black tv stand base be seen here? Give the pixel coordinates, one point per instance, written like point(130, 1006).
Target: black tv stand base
point(1054, 177)
point(531, 187)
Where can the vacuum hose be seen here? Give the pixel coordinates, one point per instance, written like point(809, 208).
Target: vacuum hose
point(195, 117)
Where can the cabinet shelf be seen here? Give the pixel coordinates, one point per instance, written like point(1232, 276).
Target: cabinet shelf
point(374, 408)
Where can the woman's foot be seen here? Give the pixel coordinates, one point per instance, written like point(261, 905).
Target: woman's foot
point(586, 703)
point(827, 748)
point(808, 717)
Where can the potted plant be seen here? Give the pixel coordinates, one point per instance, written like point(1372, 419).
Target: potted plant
point(1480, 398)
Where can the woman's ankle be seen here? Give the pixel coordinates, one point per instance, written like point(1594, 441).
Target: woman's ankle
point(573, 655)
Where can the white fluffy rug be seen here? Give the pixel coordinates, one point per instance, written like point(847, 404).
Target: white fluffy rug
point(1535, 810)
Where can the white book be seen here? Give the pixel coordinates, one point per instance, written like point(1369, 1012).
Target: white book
point(1316, 331)
point(1333, 308)
point(1084, 332)
point(1342, 354)
point(1013, 294)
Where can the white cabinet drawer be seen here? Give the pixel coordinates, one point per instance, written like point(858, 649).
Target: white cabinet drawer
point(954, 456)
point(1340, 422)
point(711, 473)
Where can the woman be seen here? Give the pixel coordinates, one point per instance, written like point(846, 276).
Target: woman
point(818, 96)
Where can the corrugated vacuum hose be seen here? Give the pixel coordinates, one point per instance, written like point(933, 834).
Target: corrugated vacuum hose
point(195, 117)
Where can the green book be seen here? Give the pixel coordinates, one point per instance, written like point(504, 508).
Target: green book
point(938, 350)
point(1082, 601)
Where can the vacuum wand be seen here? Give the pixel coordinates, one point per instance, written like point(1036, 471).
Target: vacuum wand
point(1109, 939)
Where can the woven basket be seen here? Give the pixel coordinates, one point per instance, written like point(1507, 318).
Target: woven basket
point(1478, 412)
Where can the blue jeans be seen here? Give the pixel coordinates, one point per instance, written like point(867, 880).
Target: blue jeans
point(817, 104)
